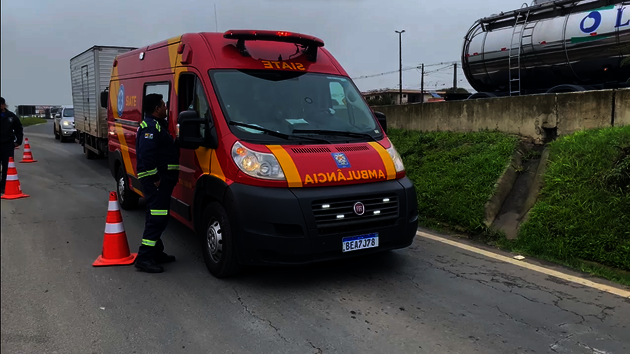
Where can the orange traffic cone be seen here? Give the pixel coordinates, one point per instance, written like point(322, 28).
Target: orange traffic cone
point(12, 189)
point(27, 157)
point(115, 245)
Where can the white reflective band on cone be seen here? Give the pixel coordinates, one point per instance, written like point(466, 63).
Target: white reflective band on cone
point(12, 178)
point(114, 228)
point(11, 164)
point(27, 150)
point(113, 205)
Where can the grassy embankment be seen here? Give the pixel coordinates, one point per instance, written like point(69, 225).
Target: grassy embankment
point(581, 219)
point(582, 216)
point(454, 174)
point(26, 121)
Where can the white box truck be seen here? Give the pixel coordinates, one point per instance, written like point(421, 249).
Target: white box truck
point(90, 73)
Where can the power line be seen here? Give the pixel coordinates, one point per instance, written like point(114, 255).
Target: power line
point(449, 64)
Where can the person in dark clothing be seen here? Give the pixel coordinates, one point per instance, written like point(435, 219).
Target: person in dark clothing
point(11, 136)
point(158, 170)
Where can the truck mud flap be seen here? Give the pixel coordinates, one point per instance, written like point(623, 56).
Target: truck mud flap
point(96, 151)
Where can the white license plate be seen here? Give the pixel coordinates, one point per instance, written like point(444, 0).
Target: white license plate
point(362, 242)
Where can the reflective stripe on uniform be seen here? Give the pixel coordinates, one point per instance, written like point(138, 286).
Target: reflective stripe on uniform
point(114, 228)
point(173, 167)
point(143, 124)
point(157, 125)
point(147, 173)
point(146, 242)
point(159, 212)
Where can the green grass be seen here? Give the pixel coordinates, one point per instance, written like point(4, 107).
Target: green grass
point(26, 121)
point(583, 212)
point(454, 174)
point(581, 219)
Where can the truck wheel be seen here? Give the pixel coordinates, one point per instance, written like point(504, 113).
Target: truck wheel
point(127, 198)
point(89, 154)
point(57, 136)
point(566, 88)
point(478, 95)
point(219, 247)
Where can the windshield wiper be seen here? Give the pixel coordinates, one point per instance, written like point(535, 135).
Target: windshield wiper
point(333, 133)
point(275, 133)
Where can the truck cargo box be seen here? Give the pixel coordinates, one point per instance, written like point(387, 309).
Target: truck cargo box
point(90, 74)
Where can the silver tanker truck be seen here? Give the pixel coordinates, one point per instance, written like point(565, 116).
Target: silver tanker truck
point(549, 47)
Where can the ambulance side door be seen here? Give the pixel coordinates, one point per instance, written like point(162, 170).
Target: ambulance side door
point(190, 96)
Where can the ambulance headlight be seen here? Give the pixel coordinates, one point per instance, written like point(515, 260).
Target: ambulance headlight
point(257, 164)
point(398, 162)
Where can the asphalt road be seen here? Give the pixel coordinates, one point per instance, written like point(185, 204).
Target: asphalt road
point(429, 298)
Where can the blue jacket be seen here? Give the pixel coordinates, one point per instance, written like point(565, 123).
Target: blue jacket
point(157, 153)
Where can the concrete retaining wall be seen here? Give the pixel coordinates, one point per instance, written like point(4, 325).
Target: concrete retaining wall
point(524, 115)
point(622, 108)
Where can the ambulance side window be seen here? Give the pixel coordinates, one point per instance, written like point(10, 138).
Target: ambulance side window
point(338, 99)
point(201, 102)
point(162, 88)
point(191, 96)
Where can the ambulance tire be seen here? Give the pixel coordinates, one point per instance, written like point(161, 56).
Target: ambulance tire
point(127, 198)
point(217, 242)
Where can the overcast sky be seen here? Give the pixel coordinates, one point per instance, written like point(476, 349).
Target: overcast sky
point(38, 37)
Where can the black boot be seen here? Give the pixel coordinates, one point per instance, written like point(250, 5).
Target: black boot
point(149, 266)
point(164, 258)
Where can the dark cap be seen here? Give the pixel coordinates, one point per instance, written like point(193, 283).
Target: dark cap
point(2, 101)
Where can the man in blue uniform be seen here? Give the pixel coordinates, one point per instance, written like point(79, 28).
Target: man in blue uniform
point(10, 137)
point(157, 156)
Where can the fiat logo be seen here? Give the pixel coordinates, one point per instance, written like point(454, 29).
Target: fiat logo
point(359, 208)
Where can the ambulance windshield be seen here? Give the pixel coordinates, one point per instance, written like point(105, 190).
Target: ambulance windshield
point(294, 103)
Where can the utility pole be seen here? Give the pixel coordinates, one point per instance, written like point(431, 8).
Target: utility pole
point(400, 65)
point(455, 79)
point(422, 85)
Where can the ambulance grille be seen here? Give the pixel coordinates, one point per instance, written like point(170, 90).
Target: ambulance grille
point(380, 210)
point(310, 150)
point(352, 148)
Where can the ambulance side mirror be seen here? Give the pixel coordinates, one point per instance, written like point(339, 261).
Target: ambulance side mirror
point(193, 131)
point(104, 97)
point(382, 120)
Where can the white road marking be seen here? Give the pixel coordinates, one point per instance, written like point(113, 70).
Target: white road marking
point(571, 278)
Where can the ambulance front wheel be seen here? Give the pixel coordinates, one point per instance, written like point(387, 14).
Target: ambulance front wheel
point(127, 198)
point(219, 252)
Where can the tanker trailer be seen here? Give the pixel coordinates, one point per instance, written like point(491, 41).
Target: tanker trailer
point(549, 47)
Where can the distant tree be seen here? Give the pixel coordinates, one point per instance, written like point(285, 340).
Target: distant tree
point(384, 100)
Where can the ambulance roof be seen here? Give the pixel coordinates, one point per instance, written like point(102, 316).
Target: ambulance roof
point(245, 49)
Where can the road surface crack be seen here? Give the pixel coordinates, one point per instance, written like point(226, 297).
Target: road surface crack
point(513, 283)
point(318, 350)
point(238, 296)
point(594, 350)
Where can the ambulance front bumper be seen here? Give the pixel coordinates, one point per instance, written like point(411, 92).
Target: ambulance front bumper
point(303, 225)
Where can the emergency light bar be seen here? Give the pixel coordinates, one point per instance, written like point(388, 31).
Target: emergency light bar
point(310, 42)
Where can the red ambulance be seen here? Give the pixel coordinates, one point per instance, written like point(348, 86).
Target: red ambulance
point(282, 161)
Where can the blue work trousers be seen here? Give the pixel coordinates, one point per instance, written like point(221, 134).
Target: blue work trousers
point(158, 200)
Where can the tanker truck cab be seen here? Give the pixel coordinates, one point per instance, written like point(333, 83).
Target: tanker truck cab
point(281, 159)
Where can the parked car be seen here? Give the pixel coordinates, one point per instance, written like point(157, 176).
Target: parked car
point(64, 124)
